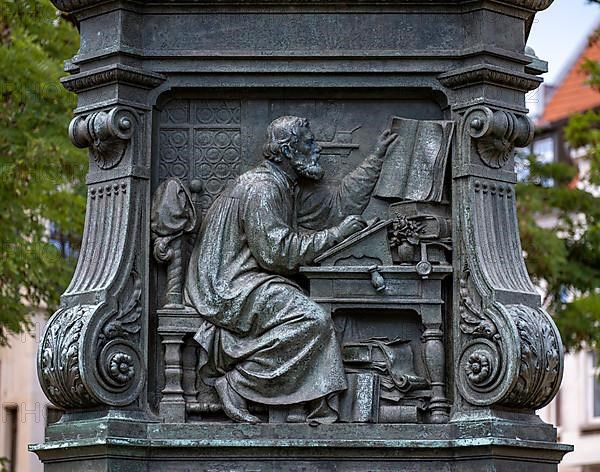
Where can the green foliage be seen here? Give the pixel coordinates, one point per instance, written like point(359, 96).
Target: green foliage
point(560, 234)
point(41, 173)
point(560, 230)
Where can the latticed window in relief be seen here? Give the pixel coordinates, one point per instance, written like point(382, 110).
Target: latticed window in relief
point(200, 140)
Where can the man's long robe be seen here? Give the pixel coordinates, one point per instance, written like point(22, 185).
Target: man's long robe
point(274, 345)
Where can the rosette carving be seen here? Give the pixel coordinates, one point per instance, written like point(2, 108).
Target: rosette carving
point(479, 368)
point(120, 367)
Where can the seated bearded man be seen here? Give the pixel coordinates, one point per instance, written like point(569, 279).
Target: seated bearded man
point(263, 340)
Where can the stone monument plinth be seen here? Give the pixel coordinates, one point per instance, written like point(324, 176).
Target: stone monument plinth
point(301, 249)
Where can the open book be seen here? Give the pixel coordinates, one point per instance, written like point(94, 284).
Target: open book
point(415, 163)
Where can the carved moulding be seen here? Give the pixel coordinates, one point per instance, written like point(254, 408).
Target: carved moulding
point(537, 5)
point(73, 5)
point(509, 351)
point(59, 369)
point(115, 73)
point(489, 74)
point(91, 351)
point(107, 134)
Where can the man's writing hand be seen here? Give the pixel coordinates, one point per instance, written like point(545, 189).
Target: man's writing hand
point(351, 225)
point(383, 142)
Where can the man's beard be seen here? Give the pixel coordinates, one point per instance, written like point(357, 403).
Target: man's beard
point(308, 167)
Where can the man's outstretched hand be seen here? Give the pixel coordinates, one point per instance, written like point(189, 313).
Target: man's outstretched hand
point(383, 142)
point(352, 224)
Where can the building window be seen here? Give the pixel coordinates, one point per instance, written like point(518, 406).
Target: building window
point(594, 388)
point(62, 242)
point(544, 150)
point(522, 166)
point(11, 414)
point(551, 413)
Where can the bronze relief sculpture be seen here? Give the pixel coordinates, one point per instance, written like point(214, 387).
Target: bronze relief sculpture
point(216, 288)
point(263, 339)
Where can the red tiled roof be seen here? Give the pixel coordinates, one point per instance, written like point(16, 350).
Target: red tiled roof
point(573, 94)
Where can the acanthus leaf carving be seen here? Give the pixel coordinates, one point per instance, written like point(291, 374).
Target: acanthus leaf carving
point(473, 320)
point(540, 358)
point(96, 360)
point(118, 358)
point(70, 345)
point(59, 365)
point(124, 321)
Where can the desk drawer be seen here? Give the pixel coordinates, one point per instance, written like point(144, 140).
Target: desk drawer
point(348, 288)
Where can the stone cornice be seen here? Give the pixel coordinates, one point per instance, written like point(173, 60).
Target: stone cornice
point(74, 5)
point(112, 74)
point(537, 5)
point(489, 74)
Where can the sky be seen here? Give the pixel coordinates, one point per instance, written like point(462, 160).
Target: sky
point(558, 34)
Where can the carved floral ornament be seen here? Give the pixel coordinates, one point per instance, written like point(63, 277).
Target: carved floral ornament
point(119, 361)
point(89, 356)
point(512, 354)
point(478, 367)
point(496, 133)
point(122, 368)
point(58, 358)
point(106, 133)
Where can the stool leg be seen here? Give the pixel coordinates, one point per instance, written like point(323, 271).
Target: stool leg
point(172, 403)
point(434, 356)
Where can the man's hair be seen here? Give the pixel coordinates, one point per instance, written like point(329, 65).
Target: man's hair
point(283, 130)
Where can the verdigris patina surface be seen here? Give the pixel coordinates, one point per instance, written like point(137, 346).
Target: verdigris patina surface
point(323, 298)
point(263, 339)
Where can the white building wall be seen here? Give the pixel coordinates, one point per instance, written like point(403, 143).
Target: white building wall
point(19, 387)
point(573, 414)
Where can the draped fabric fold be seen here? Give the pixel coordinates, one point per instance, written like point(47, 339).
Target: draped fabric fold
point(273, 344)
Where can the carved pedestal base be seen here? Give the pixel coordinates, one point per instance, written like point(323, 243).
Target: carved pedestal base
point(464, 446)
